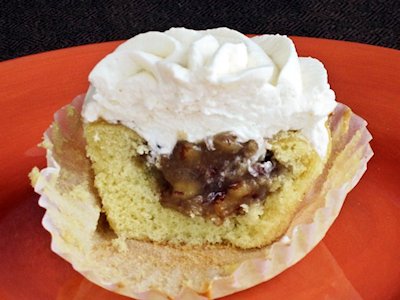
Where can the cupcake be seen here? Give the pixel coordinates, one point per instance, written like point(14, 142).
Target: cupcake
point(198, 164)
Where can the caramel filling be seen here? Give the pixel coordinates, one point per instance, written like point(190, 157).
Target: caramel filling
point(215, 181)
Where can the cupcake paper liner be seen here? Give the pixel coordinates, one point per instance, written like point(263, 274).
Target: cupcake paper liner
point(73, 210)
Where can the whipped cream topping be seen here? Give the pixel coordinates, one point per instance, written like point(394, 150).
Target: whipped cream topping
point(187, 84)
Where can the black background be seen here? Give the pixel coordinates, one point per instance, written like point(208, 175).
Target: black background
point(28, 27)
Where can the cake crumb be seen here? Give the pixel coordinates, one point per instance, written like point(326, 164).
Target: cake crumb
point(34, 175)
point(46, 144)
point(142, 149)
point(70, 111)
point(120, 244)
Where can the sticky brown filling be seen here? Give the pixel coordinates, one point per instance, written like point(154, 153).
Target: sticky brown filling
point(215, 181)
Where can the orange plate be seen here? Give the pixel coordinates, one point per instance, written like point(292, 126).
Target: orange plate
point(359, 257)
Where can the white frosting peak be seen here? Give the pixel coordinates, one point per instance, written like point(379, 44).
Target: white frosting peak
point(199, 83)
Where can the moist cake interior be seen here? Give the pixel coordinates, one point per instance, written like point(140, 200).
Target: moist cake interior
point(133, 193)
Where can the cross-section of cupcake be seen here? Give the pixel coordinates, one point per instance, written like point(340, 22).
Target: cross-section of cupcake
point(204, 147)
point(206, 137)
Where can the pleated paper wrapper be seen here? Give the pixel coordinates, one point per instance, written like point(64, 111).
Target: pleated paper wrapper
point(145, 270)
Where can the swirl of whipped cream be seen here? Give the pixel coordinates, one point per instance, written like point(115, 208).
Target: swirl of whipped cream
point(187, 84)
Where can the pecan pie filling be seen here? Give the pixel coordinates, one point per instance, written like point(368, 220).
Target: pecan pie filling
point(217, 179)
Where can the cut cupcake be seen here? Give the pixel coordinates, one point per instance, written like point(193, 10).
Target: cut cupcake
point(202, 154)
point(189, 202)
point(208, 138)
